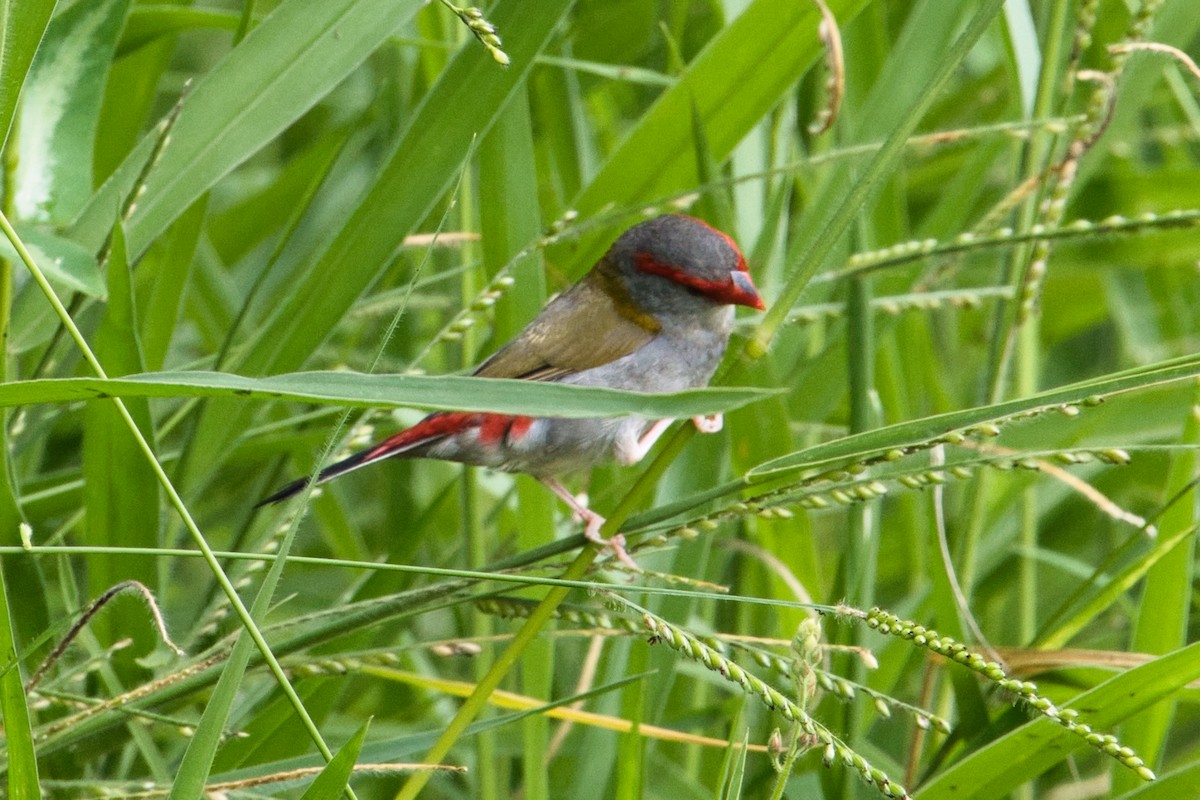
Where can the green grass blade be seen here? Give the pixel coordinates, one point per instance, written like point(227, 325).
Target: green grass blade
point(1021, 755)
point(160, 313)
point(334, 779)
point(197, 761)
point(22, 26)
point(1084, 610)
point(288, 63)
point(149, 23)
point(18, 736)
point(62, 105)
point(1173, 785)
point(930, 428)
point(1164, 604)
point(68, 264)
point(464, 103)
point(731, 84)
point(443, 392)
point(121, 505)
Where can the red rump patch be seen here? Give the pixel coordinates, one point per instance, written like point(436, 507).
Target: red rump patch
point(435, 426)
point(518, 428)
point(492, 429)
point(496, 427)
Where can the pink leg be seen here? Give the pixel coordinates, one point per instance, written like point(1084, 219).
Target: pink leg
point(710, 424)
point(592, 521)
point(643, 445)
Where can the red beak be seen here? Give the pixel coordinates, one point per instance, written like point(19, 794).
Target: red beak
point(743, 292)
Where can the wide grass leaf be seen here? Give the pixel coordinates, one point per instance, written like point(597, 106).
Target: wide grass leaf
point(22, 26)
point(450, 392)
point(288, 63)
point(997, 768)
point(121, 505)
point(924, 430)
point(60, 109)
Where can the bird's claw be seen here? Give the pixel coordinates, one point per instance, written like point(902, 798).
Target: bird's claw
point(615, 543)
point(592, 523)
point(709, 424)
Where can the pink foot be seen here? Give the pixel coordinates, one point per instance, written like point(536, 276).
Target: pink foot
point(593, 521)
point(615, 543)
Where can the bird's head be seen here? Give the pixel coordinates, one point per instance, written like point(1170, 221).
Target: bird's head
point(678, 263)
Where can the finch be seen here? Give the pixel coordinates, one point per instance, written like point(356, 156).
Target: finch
point(653, 315)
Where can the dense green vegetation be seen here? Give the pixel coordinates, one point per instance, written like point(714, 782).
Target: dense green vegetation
point(973, 401)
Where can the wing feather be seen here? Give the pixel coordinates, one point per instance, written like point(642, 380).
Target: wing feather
point(592, 323)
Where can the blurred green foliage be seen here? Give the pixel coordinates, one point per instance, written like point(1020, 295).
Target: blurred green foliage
point(995, 235)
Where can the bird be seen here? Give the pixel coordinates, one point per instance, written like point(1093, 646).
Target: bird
point(654, 314)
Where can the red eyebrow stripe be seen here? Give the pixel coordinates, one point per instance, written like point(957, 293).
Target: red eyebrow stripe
point(728, 292)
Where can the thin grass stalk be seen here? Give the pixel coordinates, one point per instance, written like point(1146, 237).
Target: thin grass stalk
point(507, 182)
point(831, 232)
point(1163, 616)
point(486, 774)
point(862, 547)
point(197, 537)
point(1028, 345)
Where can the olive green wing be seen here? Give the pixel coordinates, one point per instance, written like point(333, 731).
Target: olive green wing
point(592, 323)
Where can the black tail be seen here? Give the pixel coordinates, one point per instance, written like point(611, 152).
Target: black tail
point(329, 473)
point(409, 443)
